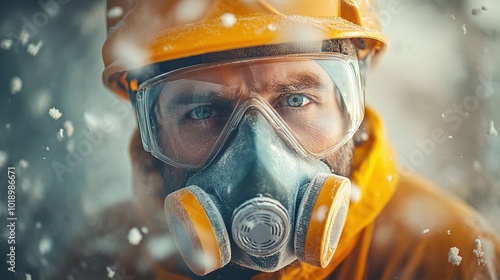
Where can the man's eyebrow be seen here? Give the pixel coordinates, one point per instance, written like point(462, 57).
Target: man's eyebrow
point(187, 99)
point(298, 81)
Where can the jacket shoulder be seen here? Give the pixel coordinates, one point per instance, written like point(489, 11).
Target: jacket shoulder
point(427, 233)
point(107, 246)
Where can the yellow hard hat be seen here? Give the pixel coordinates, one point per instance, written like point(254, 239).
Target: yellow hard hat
point(144, 32)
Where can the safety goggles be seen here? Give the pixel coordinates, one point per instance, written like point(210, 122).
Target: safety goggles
point(314, 101)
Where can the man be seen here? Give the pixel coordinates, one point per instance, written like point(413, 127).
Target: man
point(256, 156)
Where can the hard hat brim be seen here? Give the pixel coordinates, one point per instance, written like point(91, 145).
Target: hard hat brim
point(215, 35)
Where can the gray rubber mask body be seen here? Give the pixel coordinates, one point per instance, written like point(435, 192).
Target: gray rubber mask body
point(253, 193)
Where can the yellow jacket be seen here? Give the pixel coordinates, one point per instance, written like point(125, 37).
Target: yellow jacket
point(398, 227)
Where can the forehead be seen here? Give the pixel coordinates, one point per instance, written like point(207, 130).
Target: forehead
point(259, 72)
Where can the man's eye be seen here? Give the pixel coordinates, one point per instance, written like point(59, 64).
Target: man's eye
point(204, 112)
point(295, 100)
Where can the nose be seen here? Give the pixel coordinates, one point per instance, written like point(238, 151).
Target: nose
point(256, 160)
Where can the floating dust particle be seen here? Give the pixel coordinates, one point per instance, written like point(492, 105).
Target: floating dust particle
point(478, 251)
point(464, 29)
point(6, 44)
point(134, 236)
point(272, 27)
point(70, 129)
point(492, 132)
point(228, 20)
point(111, 272)
point(453, 256)
point(33, 49)
point(24, 37)
point(24, 163)
point(54, 113)
point(115, 12)
point(16, 84)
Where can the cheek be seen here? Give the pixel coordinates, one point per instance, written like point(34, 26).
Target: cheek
point(173, 178)
point(340, 161)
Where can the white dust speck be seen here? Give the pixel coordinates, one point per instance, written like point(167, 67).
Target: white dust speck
point(272, 27)
point(129, 54)
point(24, 163)
point(453, 256)
point(54, 113)
point(167, 47)
point(134, 236)
point(320, 215)
point(425, 231)
point(91, 121)
point(68, 125)
point(464, 29)
point(450, 136)
point(7, 126)
point(453, 17)
point(389, 178)
point(449, 232)
point(160, 248)
point(41, 102)
point(16, 84)
point(45, 245)
point(303, 33)
point(204, 259)
point(478, 251)
point(3, 158)
point(115, 12)
point(38, 225)
point(145, 230)
point(6, 44)
point(355, 193)
point(33, 49)
point(47, 148)
point(60, 134)
point(24, 37)
point(492, 132)
point(190, 10)
point(70, 146)
point(228, 20)
point(111, 272)
point(28, 276)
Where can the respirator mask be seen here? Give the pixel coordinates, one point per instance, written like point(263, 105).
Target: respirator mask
point(253, 135)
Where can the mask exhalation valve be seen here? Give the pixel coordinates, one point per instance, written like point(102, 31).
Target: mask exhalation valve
point(261, 226)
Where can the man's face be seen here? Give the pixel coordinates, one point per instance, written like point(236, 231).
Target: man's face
point(195, 108)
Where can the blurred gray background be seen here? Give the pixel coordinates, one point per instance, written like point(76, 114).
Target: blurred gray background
point(440, 73)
